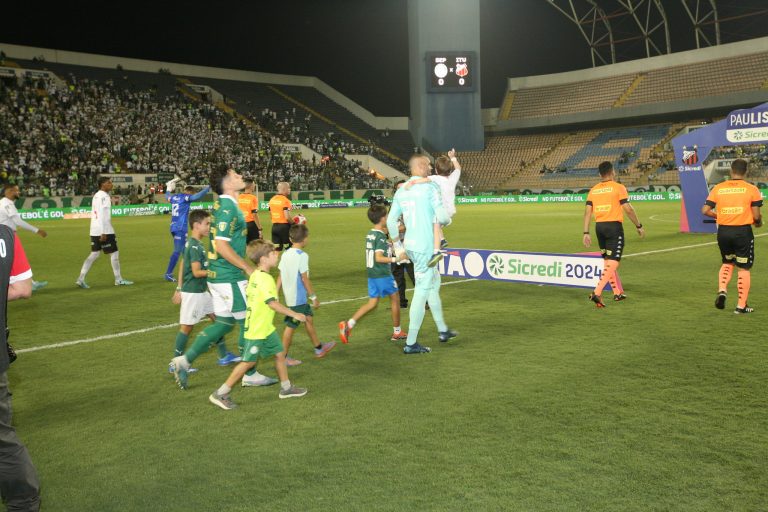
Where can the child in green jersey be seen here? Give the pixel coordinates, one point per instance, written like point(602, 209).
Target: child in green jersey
point(381, 283)
point(192, 292)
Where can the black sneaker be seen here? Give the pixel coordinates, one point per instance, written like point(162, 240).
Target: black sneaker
point(597, 300)
point(416, 349)
point(404, 305)
point(744, 310)
point(447, 335)
point(435, 259)
point(720, 300)
point(619, 297)
point(443, 243)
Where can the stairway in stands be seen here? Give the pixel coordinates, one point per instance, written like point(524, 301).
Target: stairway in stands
point(628, 92)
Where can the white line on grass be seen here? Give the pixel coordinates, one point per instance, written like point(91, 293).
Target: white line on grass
point(657, 251)
point(168, 326)
point(97, 338)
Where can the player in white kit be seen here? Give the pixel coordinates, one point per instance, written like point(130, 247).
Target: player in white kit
point(9, 216)
point(102, 234)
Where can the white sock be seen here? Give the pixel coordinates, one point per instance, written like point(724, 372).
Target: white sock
point(87, 265)
point(181, 361)
point(351, 323)
point(397, 329)
point(115, 258)
point(223, 390)
point(285, 384)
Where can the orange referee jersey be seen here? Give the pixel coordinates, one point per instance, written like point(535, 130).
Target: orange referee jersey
point(248, 203)
point(606, 199)
point(733, 201)
point(277, 205)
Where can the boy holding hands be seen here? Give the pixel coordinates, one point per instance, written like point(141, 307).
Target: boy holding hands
point(261, 339)
point(298, 292)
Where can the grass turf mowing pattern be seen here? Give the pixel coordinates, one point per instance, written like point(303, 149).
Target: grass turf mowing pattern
point(543, 403)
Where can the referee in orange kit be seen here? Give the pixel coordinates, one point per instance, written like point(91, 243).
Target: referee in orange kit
point(249, 205)
point(280, 214)
point(608, 200)
point(735, 204)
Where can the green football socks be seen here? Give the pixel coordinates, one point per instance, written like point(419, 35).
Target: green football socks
point(214, 332)
point(181, 343)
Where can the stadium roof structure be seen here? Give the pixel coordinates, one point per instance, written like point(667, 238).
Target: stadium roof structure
point(609, 25)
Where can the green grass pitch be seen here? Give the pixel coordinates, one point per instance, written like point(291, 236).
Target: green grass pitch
point(543, 403)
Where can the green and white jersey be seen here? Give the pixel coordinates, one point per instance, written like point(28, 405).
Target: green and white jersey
point(194, 252)
point(376, 241)
point(228, 224)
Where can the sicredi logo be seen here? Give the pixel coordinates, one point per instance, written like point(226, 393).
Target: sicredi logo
point(732, 190)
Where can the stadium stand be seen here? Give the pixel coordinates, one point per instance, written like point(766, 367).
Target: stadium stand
point(587, 96)
point(726, 76)
point(722, 76)
point(563, 160)
point(58, 139)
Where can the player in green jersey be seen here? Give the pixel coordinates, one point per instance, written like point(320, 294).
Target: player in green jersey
point(192, 294)
point(381, 283)
point(227, 275)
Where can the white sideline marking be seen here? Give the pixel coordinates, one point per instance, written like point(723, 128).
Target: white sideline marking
point(97, 338)
point(655, 217)
point(167, 326)
point(678, 248)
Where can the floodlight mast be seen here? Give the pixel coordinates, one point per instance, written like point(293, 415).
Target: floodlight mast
point(594, 26)
point(706, 22)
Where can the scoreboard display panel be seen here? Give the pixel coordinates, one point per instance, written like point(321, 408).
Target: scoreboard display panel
point(451, 71)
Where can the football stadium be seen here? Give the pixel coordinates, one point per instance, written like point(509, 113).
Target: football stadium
point(534, 229)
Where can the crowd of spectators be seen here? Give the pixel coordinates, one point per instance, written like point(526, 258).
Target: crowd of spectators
point(294, 127)
point(57, 140)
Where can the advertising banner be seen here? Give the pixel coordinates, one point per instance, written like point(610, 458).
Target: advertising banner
point(572, 270)
point(747, 126)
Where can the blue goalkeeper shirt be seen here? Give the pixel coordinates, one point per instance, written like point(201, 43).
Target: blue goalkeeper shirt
point(180, 209)
point(420, 207)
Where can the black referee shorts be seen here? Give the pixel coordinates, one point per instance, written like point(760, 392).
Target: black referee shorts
point(610, 238)
point(253, 232)
point(280, 234)
point(737, 245)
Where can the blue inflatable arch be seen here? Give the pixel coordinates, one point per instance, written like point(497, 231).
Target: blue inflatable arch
point(741, 127)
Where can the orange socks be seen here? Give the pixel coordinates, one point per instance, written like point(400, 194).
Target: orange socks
point(609, 275)
point(744, 280)
point(724, 277)
point(617, 290)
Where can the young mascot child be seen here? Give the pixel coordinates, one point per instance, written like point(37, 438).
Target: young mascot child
point(192, 292)
point(261, 339)
point(381, 283)
point(299, 292)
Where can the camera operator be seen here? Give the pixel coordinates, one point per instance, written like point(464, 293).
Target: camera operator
point(19, 486)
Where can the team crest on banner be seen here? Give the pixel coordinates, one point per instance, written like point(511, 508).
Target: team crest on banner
point(690, 155)
point(461, 69)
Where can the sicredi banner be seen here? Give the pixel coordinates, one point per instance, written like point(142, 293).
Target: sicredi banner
point(573, 270)
point(747, 126)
